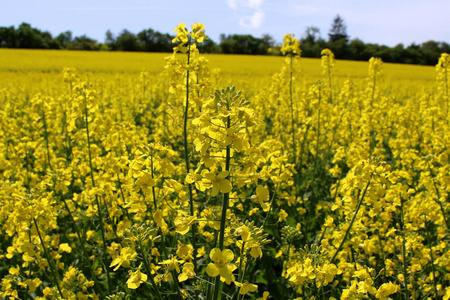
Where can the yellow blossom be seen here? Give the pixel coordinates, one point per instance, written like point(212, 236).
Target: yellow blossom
point(282, 216)
point(136, 278)
point(385, 290)
point(187, 272)
point(219, 182)
point(126, 255)
point(246, 287)
point(172, 264)
point(221, 264)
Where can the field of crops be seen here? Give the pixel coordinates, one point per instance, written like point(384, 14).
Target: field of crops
point(160, 176)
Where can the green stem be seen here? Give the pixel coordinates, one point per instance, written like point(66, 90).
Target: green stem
point(329, 80)
point(50, 262)
point(432, 259)
point(226, 197)
point(302, 150)
point(271, 206)
point(123, 197)
point(351, 223)
point(241, 260)
point(66, 134)
point(373, 88)
point(99, 211)
point(438, 201)
point(446, 87)
point(83, 248)
point(155, 203)
point(380, 244)
point(294, 148)
point(318, 129)
point(321, 236)
point(176, 283)
point(86, 115)
point(405, 274)
point(186, 157)
point(46, 136)
point(149, 272)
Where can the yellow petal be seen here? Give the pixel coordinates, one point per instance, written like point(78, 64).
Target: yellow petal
point(212, 270)
point(182, 277)
point(223, 174)
point(227, 255)
point(262, 192)
point(215, 190)
point(65, 247)
point(215, 254)
point(225, 186)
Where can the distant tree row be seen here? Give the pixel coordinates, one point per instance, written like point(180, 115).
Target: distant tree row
point(311, 43)
point(28, 37)
point(149, 40)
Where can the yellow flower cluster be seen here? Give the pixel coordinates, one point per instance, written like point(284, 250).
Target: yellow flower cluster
point(164, 182)
point(290, 45)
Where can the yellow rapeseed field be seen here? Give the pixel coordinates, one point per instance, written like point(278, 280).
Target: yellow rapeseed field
point(190, 176)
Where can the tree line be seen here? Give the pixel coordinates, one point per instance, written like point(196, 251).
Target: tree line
point(426, 53)
point(149, 40)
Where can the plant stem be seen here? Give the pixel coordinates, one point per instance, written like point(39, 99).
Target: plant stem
point(446, 86)
point(99, 211)
point(294, 150)
point(83, 248)
point(50, 262)
point(46, 136)
point(318, 129)
point(186, 157)
point(373, 88)
point(226, 198)
point(405, 274)
point(155, 203)
point(329, 81)
point(86, 115)
point(271, 206)
point(351, 223)
point(438, 201)
point(431, 259)
point(149, 272)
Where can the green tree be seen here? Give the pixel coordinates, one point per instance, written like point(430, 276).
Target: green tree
point(83, 43)
point(312, 35)
point(338, 30)
point(8, 37)
point(48, 41)
point(127, 41)
point(155, 41)
point(269, 39)
point(29, 37)
point(312, 43)
point(110, 40)
point(413, 54)
point(208, 46)
point(64, 39)
point(242, 44)
point(358, 50)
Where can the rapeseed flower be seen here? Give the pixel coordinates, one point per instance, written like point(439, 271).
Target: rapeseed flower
point(136, 279)
point(221, 264)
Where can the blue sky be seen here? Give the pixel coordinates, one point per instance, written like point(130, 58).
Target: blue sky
point(386, 22)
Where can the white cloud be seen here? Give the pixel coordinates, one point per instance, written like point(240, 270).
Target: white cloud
point(236, 4)
point(253, 21)
point(249, 12)
point(254, 3)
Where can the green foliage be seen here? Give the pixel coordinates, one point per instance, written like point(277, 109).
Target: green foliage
point(242, 44)
point(150, 40)
point(83, 43)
